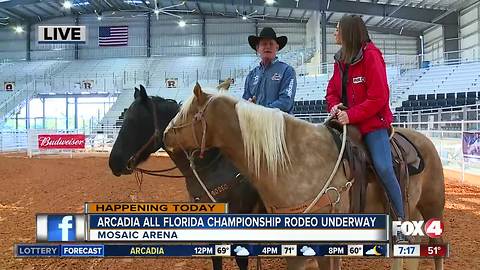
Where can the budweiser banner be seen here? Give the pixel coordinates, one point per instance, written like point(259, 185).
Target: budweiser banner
point(61, 141)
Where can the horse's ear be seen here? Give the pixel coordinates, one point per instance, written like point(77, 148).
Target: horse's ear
point(143, 93)
point(135, 95)
point(199, 94)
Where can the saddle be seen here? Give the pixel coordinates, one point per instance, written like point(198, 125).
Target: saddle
point(407, 161)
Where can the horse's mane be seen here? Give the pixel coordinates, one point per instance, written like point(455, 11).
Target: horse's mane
point(161, 99)
point(263, 132)
point(182, 114)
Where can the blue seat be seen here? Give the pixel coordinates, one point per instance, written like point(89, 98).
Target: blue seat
point(460, 101)
point(442, 103)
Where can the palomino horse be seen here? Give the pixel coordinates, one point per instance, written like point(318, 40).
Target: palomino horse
point(220, 177)
point(288, 160)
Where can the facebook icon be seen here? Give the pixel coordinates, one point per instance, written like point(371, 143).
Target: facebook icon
point(60, 228)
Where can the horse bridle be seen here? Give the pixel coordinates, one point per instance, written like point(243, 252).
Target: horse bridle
point(153, 139)
point(198, 117)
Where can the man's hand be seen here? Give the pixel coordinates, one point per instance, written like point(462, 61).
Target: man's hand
point(253, 99)
point(342, 117)
point(335, 109)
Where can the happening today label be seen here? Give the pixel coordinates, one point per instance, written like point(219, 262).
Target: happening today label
point(156, 208)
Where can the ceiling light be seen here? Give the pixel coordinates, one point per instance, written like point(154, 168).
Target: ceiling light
point(244, 17)
point(99, 18)
point(18, 29)
point(182, 23)
point(156, 11)
point(67, 4)
point(269, 2)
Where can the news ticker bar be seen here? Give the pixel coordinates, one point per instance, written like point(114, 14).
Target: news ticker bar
point(212, 228)
point(239, 250)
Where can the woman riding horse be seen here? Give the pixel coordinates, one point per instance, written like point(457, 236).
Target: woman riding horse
point(359, 83)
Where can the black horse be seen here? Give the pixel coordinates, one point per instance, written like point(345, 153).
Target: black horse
point(134, 145)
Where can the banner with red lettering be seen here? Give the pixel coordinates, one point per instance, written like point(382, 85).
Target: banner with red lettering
point(61, 141)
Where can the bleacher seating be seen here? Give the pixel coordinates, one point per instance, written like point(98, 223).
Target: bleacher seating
point(310, 106)
point(432, 101)
point(411, 90)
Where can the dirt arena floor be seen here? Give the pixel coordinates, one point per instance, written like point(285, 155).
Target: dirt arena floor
point(53, 184)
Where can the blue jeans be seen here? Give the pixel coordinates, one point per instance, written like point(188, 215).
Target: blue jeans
point(379, 147)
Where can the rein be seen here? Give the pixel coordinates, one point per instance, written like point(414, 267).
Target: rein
point(326, 188)
point(198, 117)
point(139, 172)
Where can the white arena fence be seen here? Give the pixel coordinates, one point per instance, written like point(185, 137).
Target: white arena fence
point(446, 136)
point(96, 140)
point(100, 140)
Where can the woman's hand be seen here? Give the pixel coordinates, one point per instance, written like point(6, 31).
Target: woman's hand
point(335, 109)
point(342, 117)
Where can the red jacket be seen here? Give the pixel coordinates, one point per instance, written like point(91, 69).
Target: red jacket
point(367, 90)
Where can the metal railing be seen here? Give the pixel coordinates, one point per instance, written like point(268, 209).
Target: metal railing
point(449, 143)
point(445, 135)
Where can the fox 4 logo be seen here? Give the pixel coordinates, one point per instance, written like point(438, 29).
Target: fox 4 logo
point(433, 228)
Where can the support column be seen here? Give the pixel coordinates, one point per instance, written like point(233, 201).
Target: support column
point(27, 106)
point(420, 51)
point(450, 36)
point(323, 24)
point(27, 40)
point(204, 37)
point(76, 44)
point(43, 112)
point(149, 34)
point(76, 113)
point(66, 111)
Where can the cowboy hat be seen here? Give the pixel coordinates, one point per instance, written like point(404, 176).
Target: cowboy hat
point(268, 33)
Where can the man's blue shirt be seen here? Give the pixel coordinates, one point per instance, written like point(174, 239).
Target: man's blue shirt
point(274, 85)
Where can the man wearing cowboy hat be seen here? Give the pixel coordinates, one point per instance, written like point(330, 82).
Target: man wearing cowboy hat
point(272, 83)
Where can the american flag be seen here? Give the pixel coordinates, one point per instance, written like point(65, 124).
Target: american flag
point(112, 36)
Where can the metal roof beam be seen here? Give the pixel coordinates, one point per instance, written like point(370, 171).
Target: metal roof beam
point(199, 9)
point(13, 15)
point(364, 8)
